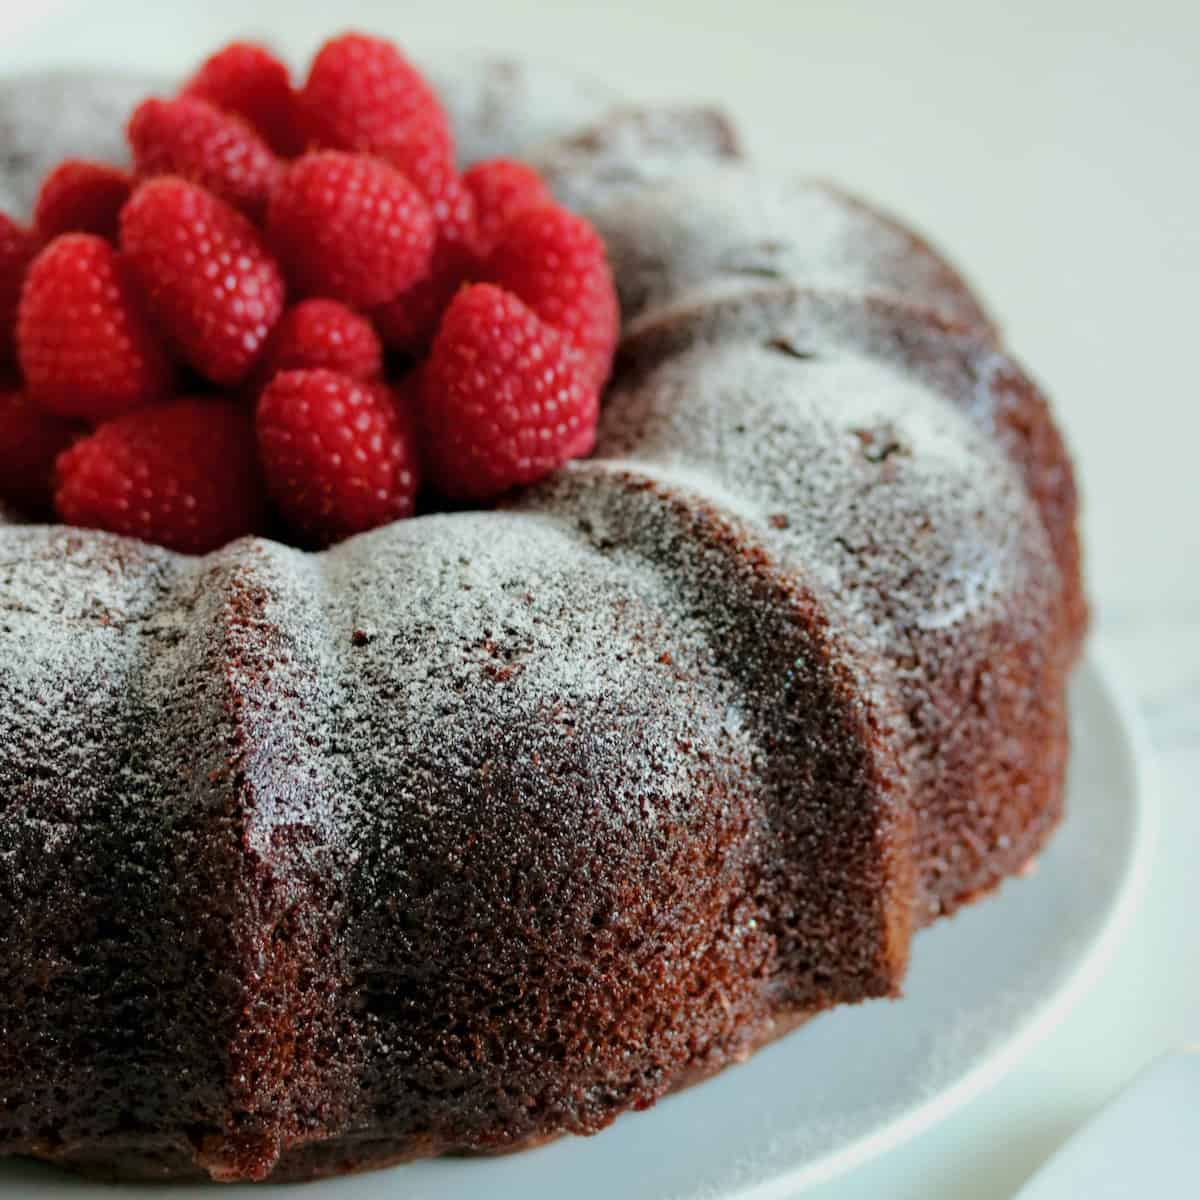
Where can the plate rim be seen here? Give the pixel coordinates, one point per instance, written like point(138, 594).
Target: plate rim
point(1098, 671)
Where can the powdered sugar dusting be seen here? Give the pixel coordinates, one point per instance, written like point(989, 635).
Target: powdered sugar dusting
point(48, 116)
point(738, 230)
point(848, 465)
point(629, 148)
point(499, 108)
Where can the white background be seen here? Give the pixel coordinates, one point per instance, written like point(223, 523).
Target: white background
point(1053, 149)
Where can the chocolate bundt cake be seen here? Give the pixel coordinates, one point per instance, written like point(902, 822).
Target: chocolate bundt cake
point(490, 826)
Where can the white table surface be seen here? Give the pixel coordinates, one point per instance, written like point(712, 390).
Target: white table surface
point(1054, 154)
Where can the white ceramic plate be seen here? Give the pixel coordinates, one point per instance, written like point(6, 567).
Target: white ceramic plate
point(983, 987)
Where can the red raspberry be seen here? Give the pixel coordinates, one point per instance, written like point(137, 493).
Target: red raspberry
point(409, 322)
point(350, 227)
point(17, 248)
point(86, 347)
point(502, 187)
point(249, 80)
point(211, 282)
point(337, 454)
point(183, 475)
point(424, 154)
point(324, 333)
point(81, 197)
point(363, 94)
point(503, 400)
point(555, 262)
point(216, 149)
point(30, 440)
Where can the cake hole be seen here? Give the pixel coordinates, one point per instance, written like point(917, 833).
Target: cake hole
point(757, 270)
point(789, 348)
point(878, 445)
point(755, 260)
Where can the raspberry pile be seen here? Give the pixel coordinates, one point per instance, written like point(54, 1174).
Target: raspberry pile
point(293, 312)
